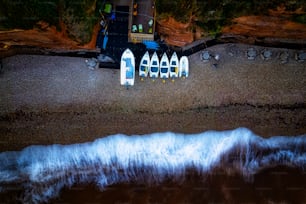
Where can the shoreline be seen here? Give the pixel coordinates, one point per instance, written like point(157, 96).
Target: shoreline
point(22, 129)
point(215, 162)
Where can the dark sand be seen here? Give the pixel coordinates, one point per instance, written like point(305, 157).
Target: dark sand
point(47, 100)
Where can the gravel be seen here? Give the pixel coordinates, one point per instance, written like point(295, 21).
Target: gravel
point(52, 99)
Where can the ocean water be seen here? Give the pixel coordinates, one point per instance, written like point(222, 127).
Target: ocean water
point(42, 172)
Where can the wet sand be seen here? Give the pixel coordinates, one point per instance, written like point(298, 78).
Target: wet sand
point(48, 100)
point(21, 129)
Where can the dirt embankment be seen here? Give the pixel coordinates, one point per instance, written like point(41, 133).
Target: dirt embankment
point(44, 36)
point(175, 33)
point(266, 27)
point(277, 24)
point(276, 27)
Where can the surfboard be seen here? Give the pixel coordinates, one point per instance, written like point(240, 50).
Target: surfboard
point(154, 66)
point(184, 67)
point(127, 68)
point(174, 66)
point(144, 65)
point(164, 67)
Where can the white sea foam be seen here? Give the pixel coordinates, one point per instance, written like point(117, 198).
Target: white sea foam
point(43, 171)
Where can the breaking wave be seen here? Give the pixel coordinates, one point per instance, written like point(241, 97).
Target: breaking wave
point(42, 171)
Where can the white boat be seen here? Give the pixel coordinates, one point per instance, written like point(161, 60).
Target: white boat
point(184, 67)
point(127, 68)
point(144, 65)
point(174, 66)
point(164, 67)
point(154, 66)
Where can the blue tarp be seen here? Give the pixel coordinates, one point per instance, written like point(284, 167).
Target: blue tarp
point(105, 42)
point(151, 45)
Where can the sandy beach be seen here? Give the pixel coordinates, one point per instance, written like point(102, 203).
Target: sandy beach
point(47, 100)
point(58, 100)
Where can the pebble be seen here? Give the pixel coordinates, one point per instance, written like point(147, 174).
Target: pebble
point(217, 57)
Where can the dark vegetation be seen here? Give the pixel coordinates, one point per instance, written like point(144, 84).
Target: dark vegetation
point(80, 16)
point(211, 15)
point(25, 13)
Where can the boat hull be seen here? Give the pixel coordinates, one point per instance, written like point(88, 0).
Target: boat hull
point(127, 68)
point(174, 66)
point(144, 65)
point(184, 67)
point(164, 67)
point(154, 66)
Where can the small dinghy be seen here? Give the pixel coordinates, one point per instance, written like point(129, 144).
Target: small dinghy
point(144, 65)
point(164, 67)
point(174, 66)
point(127, 68)
point(154, 66)
point(184, 67)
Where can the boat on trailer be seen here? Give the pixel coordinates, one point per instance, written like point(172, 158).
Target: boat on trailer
point(164, 67)
point(127, 68)
point(144, 65)
point(154, 66)
point(174, 66)
point(184, 67)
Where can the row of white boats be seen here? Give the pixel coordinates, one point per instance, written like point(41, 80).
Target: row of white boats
point(152, 67)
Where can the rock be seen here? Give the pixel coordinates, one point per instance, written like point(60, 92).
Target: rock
point(232, 50)
point(283, 57)
point(92, 63)
point(300, 56)
point(105, 58)
point(214, 65)
point(251, 53)
point(266, 54)
point(217, 57)
point(230, 54)
point(205, 56)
